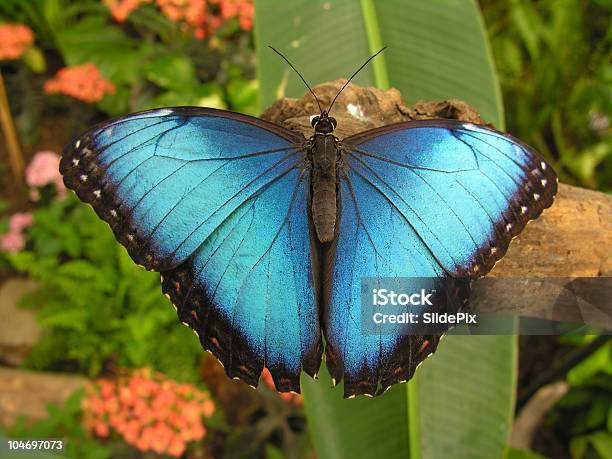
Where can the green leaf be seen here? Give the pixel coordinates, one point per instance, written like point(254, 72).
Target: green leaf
point(461, 401)
point(512, 453)
point(172, 72)
point(93, 40)
point(600, 441)
point(436, 50)
point(437, 409)
point(601, 360)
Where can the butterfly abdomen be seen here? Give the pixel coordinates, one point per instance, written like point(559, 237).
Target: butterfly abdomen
point(324, 207)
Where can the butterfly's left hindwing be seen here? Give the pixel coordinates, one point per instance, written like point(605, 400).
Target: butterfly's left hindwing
point(434, 199)
point(217, 202)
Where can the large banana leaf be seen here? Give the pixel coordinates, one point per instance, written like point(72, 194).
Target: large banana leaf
point(461, 401)
point(436, 49)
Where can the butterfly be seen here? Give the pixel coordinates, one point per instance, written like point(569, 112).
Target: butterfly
point(262, 236)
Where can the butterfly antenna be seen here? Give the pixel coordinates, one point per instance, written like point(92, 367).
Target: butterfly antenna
point(300, 75)
point(353, 76)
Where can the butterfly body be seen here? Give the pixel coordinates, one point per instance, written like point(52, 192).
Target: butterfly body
point(325, 158)
point(263, 237)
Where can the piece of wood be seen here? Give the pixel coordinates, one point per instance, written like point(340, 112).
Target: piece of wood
point(571, 240)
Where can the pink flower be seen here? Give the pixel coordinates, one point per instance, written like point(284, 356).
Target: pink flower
point(44, 170)
point(20, 221)
point(12, 242)
point(15, 240)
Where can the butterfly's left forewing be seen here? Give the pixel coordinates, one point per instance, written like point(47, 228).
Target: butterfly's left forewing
point(217, 202)
point(433, 199)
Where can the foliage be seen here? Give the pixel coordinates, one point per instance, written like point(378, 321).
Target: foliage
point(555, 67)
point(584, 414)
point(99, 309)
point(150, 58)
point(64, 422)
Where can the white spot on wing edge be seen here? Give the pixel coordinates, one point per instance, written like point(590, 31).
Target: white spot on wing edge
point(523, 210)
point(78, 143)
point(543, 164)
point(536, 196)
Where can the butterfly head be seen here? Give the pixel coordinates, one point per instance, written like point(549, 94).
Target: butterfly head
point(323, 123)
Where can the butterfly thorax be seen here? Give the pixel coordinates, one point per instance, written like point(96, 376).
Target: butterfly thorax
point(325, 155)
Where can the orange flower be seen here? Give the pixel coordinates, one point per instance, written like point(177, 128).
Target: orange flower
point(203, 17)
point(242, 9)
point(208, 408)
point(161, 418)
point(83, 82)
point(101, 429)
point(176, 447)
point(121, 9)
point(289, 397)
point(14, 40)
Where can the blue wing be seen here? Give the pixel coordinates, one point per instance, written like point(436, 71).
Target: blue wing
point(217, 202)
point(432, 199)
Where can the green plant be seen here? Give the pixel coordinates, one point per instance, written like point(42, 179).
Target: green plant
point(583, 418)
point(98, 308)
point(65, 423)
point(151, 60)
point(554, 64)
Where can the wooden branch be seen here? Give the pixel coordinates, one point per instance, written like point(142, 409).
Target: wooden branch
point(10, 134)
point(572, 239)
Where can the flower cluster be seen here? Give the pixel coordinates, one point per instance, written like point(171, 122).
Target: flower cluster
point(15, 239)
point(148, 410)
point(44, 170)
point(288, 397)
point(14, 40)
point(121, 9)
point(202, 17)
point(241, 9)
point(83, 82)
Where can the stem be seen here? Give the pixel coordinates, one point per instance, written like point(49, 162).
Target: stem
point(563, 368)
point(414, 429)
point(375, 43)
point(10, 134)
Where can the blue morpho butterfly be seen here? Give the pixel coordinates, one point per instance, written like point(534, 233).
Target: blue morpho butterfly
point(262, 237)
